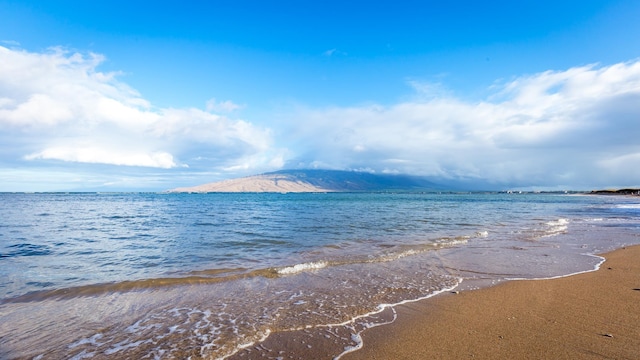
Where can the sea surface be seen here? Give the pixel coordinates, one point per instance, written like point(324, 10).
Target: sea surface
point(174, 276)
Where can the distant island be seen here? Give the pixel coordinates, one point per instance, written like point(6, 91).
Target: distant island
point(313, 180)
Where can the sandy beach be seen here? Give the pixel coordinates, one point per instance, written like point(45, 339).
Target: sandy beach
point(594, 315)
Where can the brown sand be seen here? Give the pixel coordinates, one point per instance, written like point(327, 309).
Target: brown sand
point(594, 315)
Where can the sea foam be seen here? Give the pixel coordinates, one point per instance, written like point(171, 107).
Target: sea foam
point(298, 268)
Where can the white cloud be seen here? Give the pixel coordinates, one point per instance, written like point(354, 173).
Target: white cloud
point(56, 105)
point(549, 128)
point(101, 156)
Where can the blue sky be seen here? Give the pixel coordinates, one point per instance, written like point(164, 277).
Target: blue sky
point(136, 95)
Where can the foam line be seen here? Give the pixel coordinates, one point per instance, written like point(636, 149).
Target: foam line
point(358, 338)
point(595, 268)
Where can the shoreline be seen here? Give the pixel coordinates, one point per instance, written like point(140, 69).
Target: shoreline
point(516, 318)
point(593, 314)
point(323, 261)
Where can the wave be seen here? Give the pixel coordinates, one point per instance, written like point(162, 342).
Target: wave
point(124, 286)
point(298, 268)
point(559, 222)
point(556, 227)
point(211, 276)
point(628, 206)
point(27, 250)
point(405, 251)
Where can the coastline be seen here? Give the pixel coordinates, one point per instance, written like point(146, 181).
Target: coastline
point(309, 299)
point(587, 315)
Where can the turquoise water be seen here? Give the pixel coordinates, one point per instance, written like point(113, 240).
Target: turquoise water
point(160, 275)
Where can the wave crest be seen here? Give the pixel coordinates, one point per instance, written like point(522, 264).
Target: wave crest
point(298, 268)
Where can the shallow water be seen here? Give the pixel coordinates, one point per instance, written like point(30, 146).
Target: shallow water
point(205, 275)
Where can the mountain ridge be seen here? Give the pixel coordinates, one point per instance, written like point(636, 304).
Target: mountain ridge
point(315, 180)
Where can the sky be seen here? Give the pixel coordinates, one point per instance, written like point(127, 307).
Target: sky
point(153, 95)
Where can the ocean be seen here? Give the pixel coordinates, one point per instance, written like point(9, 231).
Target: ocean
point(211, 276)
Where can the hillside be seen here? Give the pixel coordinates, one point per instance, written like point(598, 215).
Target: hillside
point(315, 181)
point(617, 192)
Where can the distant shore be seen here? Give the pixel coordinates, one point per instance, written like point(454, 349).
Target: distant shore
point(592, 315)
point(634, 192)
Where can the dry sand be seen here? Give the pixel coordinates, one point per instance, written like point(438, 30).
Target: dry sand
point(594, 315)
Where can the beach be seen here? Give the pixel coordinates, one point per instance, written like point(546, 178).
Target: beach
point(594, 315)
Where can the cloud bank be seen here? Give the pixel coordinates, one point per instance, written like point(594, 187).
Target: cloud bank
point(579, 127)
point(573, 128)
point(57, 106)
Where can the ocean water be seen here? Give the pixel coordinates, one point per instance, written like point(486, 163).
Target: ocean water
point(173, 276)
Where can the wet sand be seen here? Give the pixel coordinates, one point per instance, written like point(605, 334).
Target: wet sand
point(594, 315)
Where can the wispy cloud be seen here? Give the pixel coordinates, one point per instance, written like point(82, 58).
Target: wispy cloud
point(333, 52)
point(429, 90)
point(329, 52)
point(222, 106)
point(10, 42)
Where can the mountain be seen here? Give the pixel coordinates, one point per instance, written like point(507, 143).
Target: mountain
point(317, 181)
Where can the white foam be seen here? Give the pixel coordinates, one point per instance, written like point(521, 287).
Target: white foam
point(394, 256)
point(439, 244)
point(357, 338)
point(298, 268)
point(83, 355)
point(556, 227)
point(559, 222)
point(248, 344)
point(628, 206)
point(92, 341)
point(125, 345)
point(453, 242)
point(595, 268)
